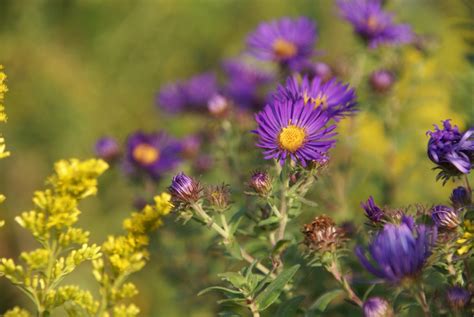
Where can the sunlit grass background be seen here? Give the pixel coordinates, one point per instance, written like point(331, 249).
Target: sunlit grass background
point(78, 70)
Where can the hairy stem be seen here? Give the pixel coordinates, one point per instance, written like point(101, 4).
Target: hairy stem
point(335, 271)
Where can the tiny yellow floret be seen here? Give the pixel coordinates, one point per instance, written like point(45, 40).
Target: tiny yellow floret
point(291, 138)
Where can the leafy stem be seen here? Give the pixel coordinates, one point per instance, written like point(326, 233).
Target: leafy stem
point(334, 269)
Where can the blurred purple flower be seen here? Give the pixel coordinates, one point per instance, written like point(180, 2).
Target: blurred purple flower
point(381, 80)
point(451, 150)
point(244, 82)
point(334, 98)
point(107, 149)
point(290, 129)
point(398, 251)
point(372, 211)
point(192, 94)
point(461, 197)
point(285, 41)
point(219, 106)
point(373, 24)
point(151, 154)
point(190, 145)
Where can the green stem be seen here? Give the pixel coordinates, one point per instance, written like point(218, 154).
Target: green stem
point(283, 210)
point(336, 272)
point(421, 298)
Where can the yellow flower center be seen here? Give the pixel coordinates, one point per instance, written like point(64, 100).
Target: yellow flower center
point(146, 154)
point(284, 49)
point(318, 101)
point(372, 23)
point(291, 138)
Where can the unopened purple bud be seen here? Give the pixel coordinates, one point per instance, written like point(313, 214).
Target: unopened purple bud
point(322, 70)
point(185, 189)
point(381, 80)
point(218, 106)
point(261, 183)
point(458, 297)
point(107, 149)
point(444, 217)
point(461, 197)
point(372, 211)
point(190, 146)
point(203, 163)
point(377, 307)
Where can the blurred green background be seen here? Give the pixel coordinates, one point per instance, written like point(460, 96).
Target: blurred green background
point(78, 70)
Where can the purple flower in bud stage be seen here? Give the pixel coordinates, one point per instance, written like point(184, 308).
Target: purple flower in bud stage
point(285, 41)
point(321, 70)
point(461, 197)
point(193, 94)
point(218, 106)
point(151, 154)
point(184, 189)
point(292, 130)
point(451, 150)
point(372, 211)
point(399, 252)
point(377, 307)
point(445, 217)
point(458, 298)
point(373, 24)
point(381, 80)
point(244, 83)
point(261, 183)
point(332, 97)
point(107, 149)
point(190, 146)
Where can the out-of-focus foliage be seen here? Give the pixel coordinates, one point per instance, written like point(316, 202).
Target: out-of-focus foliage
point(78, 70)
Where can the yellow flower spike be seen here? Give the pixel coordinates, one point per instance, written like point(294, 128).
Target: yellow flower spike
point(467, 239)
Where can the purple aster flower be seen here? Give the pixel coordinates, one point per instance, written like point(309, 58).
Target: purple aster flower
point(334, 98)
point(377, 307)
point(458, 297)
point(290, 129)
point(445, 217)
point(372, 211)
point(381, 80)
point(451, 150)
point(285, 41)
point(171, 98)
point(192, 94)
point(107, 149)
point(185, 189)
point(461, 197)
point(398, 251)
point(152, 154)
point(373, 24)
point(244, 82)
point(200, 89)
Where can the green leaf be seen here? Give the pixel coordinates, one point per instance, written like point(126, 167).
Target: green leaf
point(280, 246)
point(324, 300)
point(236, 279)
point(273, 290)
point(235, 220)
point(234, 249)
point(289, 307)
point(268, 221)
point(218, 288)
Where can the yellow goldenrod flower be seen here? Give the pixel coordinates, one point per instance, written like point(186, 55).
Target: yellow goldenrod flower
point(467, 239)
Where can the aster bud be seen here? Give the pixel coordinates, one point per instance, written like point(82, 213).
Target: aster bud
point(190, 146)
point(322, 70)
point(377, 307)
point(218, 106)
point(458, 297)
point(461, 197)
point(218, 196)
point(444, 217)
point(322, 234)
point(381, 80)
point(372, 211)
point(107, 149)
point(261, 183)
point(184, 189)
